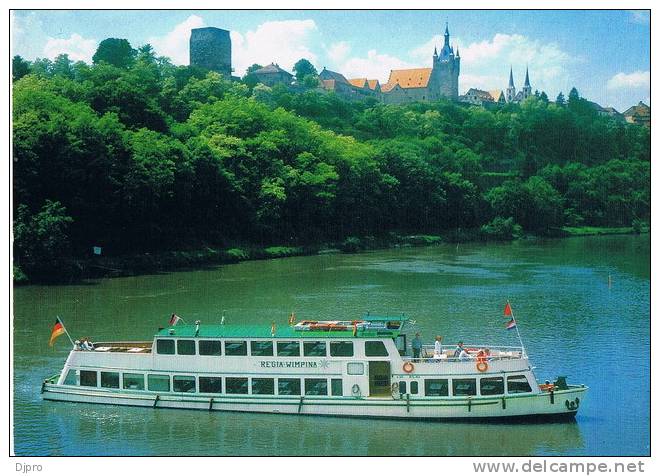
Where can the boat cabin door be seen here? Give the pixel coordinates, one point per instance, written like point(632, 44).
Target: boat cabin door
point(379, 379)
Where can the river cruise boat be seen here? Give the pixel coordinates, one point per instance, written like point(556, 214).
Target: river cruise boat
point(361, 368)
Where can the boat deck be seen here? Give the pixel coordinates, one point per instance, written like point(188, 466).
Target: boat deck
point(447, 355)
point(141, 347)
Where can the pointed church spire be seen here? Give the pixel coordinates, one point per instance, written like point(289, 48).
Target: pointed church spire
point(527, 77)
point(447, 34)
point(458, 55)
point(511, 77)
point(435, 50)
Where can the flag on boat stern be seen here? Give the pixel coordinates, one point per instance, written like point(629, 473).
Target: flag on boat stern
point(58, 330)
point(507, 309)
point(174, 319)
point(511, 324)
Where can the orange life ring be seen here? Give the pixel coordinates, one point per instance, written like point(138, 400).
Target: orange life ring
point(408, 367)
point(482, 366)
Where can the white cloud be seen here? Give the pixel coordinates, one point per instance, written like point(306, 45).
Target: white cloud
point(77, 47)
point(423, 53)
point(485, 64)
point(175, 43)
point(339, 51)
point(634, 80)
point(27, 35)
point(374, 66)
point(282, 42)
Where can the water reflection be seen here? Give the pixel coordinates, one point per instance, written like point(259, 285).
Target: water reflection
point(567, 314)
point(246, 434)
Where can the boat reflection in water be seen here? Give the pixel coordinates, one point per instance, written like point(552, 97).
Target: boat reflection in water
point(218, 433)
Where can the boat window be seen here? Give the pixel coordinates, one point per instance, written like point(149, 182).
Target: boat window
point(110, 379)
point(210, 384)
point(314, 349)
point(402, 387)
point(341, 349)
point(288, 349)
point(375, 348)
point(158, 383)
point(236, 385)
point(517, 384)
point(414, 388)
point(71, 378)
point(185, 347)
point(316, 386)
point(288, 386)
point(165, 346)
point(355, 368)
point(183, 383)
point(133, 381)
point(235, 347)
point(492, 386)
point(210, 347)
point(263, 386)
point(464, 386)
point(336, 387)
point(436, 387)
point(261, 347)
point(88, 378)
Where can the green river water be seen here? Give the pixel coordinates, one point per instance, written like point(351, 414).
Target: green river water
point(572, 322)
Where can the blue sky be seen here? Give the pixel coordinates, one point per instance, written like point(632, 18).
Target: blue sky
point(605, 54)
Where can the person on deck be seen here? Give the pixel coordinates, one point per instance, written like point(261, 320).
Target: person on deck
point(437, 349)
point(416, 346)
point(459, 350)
point(464, 355)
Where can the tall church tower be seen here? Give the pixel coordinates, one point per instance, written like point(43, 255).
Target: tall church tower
point(511, 89)
point(446, 69)
point(527, 89)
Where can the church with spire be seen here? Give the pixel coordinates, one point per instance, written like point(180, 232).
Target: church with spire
point(426, 84)
point(524, 93)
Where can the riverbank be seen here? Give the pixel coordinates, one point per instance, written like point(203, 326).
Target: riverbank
point(73, 270)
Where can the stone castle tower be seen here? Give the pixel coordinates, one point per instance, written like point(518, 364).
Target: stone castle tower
point(210, 48)
point(446, 68)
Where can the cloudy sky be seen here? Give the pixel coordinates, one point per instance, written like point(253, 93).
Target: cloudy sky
point(605, 54)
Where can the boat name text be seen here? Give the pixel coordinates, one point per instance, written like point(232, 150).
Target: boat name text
point(290, 364)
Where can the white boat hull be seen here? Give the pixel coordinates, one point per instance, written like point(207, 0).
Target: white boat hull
point(563, 404)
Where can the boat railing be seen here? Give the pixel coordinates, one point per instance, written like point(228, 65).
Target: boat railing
point(487, 352)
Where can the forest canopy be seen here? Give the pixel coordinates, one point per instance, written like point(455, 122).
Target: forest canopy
point(135, 154)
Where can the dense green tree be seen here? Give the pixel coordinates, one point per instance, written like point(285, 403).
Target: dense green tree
point(19, 68)
point(116, 52)
point(304, 68)
point(41, 239)
point(133, 153)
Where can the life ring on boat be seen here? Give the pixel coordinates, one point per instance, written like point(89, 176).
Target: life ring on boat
point(408, 367)
point(355, 390)
point(482, 364)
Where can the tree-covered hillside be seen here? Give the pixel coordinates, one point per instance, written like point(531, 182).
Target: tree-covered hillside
point(137, 155)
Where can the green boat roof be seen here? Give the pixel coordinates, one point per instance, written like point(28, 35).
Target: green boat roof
point(281, 331)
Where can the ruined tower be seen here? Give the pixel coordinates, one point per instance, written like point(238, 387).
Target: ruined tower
point(210, 48)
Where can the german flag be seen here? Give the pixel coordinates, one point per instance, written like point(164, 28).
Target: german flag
point(58, 330)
